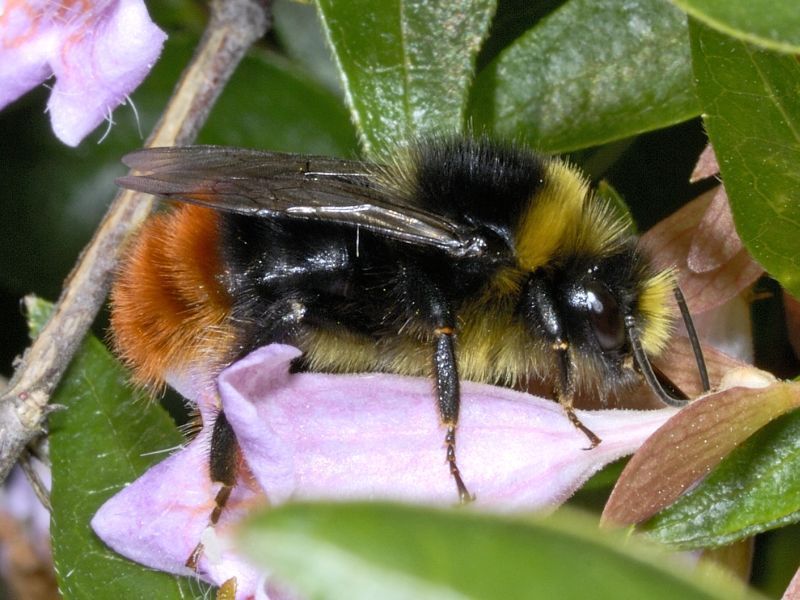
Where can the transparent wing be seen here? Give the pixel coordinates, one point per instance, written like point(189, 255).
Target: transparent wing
point(293, 186)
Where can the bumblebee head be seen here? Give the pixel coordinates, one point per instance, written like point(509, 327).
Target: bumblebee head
point(589, 292)
point(604, 316)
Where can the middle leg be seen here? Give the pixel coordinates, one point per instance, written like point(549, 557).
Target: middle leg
point(426, 306)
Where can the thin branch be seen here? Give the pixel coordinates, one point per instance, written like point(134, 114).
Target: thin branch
point(37, 485)
point(233, 26)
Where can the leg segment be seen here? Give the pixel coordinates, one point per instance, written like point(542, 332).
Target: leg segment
point(224, 462)
point(223, 468)
point(541, 309)
point(447, 389)
point(566, 393)
point(425, 305)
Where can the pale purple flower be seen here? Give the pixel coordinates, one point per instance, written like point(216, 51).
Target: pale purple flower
point(334, 437)
point(98, 50)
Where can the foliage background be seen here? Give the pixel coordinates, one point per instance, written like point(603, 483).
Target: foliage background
point(560, 75)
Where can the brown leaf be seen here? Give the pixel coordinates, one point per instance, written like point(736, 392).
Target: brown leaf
point(735, 558)
point(679, 365)
point(723, 273)
point(715, 242)
point(690, 444)
point(793, 591)
point(706, 165)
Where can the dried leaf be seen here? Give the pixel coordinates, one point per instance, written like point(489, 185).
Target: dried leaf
point(670, 243)
point(706, 165)
point(690, 444)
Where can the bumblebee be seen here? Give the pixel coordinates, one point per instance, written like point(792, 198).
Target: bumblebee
point(456, 258)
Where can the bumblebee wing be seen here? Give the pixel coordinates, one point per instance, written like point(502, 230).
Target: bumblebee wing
point(277, 185)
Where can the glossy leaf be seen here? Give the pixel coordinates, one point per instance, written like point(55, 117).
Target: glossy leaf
point(406, 64)
point(271, 104)
point(511, 20)
point(374, 550)
point(103, 437)
point(774, 24)
point(589, 73)
point(690, 444)
point(753, 118)
point(297, 27)
point(755, 488)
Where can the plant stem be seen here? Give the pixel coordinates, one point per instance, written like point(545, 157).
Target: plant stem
point(234, 25)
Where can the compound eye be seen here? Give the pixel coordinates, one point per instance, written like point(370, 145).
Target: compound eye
point(604, 316)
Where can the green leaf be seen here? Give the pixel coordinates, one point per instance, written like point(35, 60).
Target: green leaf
point(406, 65)
point(297, 27)
point(774, 24)
point(777, 560)
point(591, 72)
point(690, 444)
point(755, 488)
point(512, 19)
point(101, 439)
point(37, 312)
point(270, 103)
point(752, 105)
point(373, 550)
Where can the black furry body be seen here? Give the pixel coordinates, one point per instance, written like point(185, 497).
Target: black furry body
point(290, 278)
point(459, 258)
point(364, 282)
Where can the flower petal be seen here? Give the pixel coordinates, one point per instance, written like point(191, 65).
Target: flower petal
point(358, 436)
point(159, 519)
point(100, 52)
point(22, 68)
point(313, 436)
point(25, 47)
point(99, 66)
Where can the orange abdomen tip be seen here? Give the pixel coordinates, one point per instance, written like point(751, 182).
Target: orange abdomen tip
point(169, 308)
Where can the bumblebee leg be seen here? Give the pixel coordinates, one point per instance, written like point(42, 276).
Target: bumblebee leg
point(541, 309)
point(566, 392)
point(422, 302)
point(223, 468)
point(447, 389)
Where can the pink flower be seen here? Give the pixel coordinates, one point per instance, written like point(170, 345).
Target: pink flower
point(334, 437)
point(98, 50)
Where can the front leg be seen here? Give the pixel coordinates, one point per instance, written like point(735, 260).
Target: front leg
point(224, 458)
point(540, 309)
point(566, 392)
